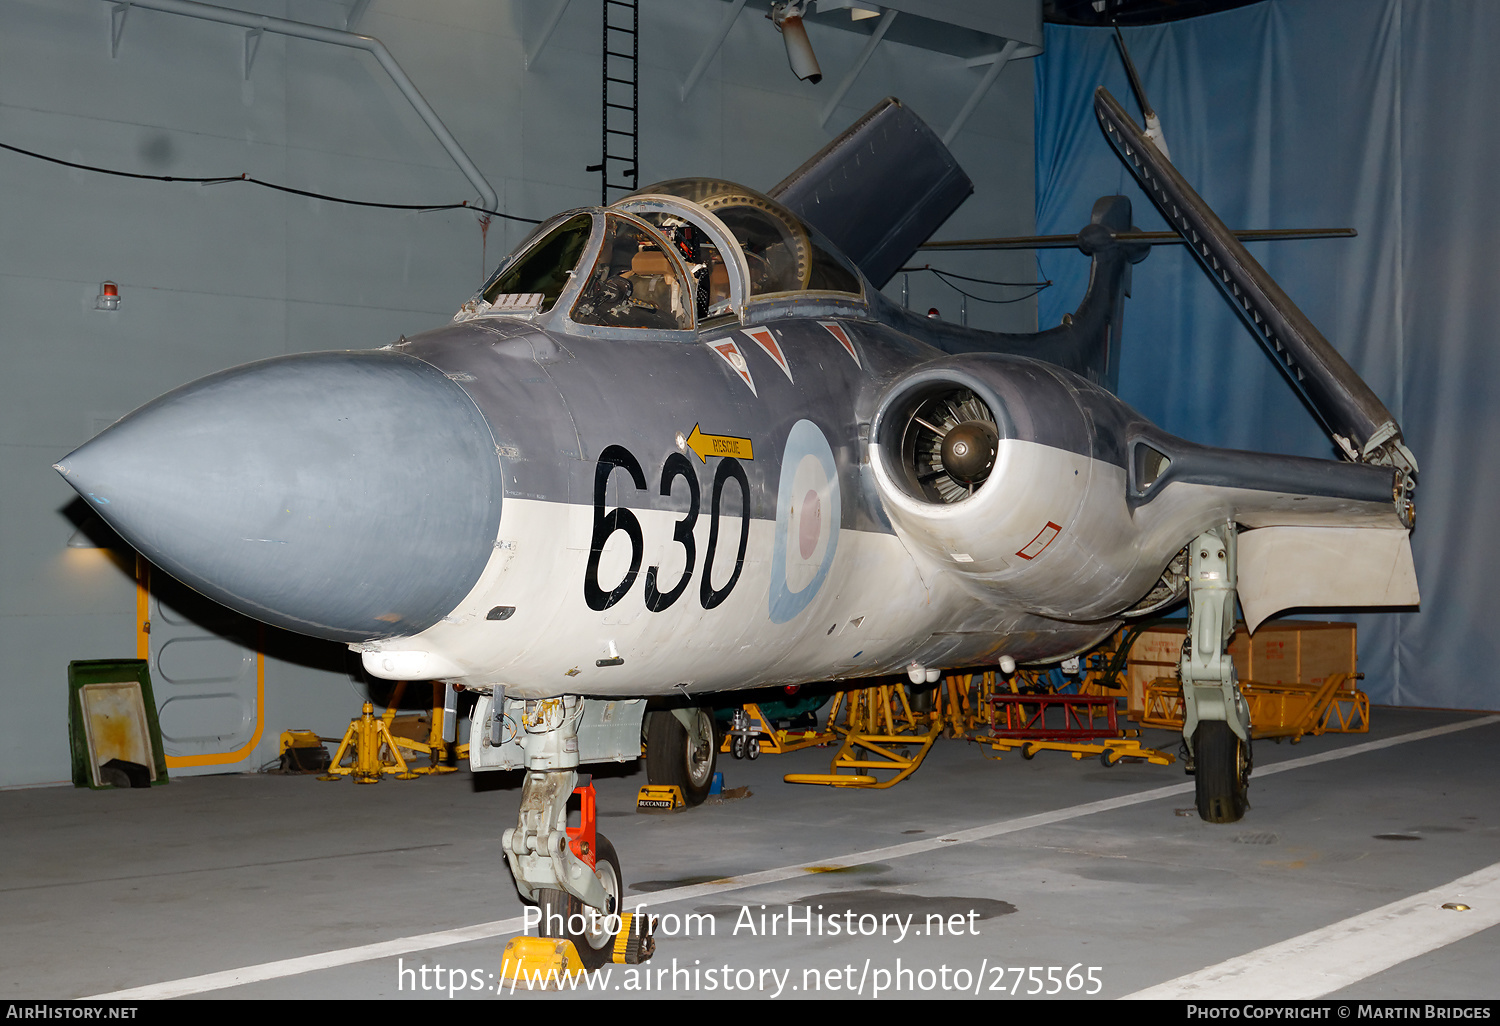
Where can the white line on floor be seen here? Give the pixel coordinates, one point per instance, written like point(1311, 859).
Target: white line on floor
point(484, 931)
point(1323, 961)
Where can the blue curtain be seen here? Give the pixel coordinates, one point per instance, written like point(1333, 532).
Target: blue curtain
point(1381, 115)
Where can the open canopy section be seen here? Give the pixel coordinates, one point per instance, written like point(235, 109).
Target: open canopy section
point(782, 252)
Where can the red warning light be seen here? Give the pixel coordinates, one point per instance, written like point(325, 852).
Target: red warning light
point(109, 296)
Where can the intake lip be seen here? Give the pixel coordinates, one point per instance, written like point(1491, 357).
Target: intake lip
point(351, 496)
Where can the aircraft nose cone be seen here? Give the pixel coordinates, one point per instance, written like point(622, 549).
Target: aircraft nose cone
point(348, 496)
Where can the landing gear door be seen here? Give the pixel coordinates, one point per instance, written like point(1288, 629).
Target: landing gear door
point(608, 731)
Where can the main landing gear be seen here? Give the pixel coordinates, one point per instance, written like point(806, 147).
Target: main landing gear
point(1222, 772)
point(1216, 720)
point(682, 750)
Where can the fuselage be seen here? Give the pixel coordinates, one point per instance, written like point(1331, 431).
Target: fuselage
point(682, 445)
point(626, 562)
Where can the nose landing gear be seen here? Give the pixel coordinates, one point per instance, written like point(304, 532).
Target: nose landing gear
point(571, 874)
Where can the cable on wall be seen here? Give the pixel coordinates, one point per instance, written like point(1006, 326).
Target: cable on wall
point(465, 205)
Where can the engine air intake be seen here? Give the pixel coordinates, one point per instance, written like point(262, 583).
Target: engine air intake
point(948, 444)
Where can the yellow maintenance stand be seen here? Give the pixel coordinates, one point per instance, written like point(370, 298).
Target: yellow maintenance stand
point(751, 732)
point(373, 750)
point(1289, 710)
point(879, 731)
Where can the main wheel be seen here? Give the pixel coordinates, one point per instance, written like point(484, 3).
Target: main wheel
point(683, 758)
point(1222, 772)
point(592, 931)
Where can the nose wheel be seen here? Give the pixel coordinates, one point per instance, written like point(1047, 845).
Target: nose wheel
point(599, 934)
point(594, 932)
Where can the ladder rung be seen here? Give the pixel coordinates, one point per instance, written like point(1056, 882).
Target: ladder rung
point(626, 81)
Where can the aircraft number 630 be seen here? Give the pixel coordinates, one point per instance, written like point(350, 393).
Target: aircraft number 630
point(622, 519)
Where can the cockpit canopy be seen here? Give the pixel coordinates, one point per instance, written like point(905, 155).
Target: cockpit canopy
point(671, 257)
point(784, 254)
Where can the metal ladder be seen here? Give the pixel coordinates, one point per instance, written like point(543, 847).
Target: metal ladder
point(621, 74)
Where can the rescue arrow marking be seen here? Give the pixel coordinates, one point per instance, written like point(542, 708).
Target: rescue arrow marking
point(837, 331)
point(731, 354)
point(767, 341)
point(719, 445)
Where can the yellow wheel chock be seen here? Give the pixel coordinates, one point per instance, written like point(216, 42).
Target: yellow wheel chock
point(540, 963)
point(659, 798)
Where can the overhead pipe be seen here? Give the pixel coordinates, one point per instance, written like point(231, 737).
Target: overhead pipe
point(317, 33)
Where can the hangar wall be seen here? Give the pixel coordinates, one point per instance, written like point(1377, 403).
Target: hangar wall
point(213, 276)
point(1335, 113)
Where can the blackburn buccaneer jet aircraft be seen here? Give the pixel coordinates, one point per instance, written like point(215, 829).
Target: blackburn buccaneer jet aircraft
point(682, 445)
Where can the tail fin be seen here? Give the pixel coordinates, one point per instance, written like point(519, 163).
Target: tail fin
point(1088, 340)
point(1090, 336)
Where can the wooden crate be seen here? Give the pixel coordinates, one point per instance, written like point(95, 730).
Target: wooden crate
point(1280, 652)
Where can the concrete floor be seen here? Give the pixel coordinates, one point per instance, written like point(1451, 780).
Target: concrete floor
point(106, 891)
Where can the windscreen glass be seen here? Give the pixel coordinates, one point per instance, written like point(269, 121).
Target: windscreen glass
point(546, 266)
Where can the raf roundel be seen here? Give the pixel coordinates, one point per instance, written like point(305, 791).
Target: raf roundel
point(808, 514)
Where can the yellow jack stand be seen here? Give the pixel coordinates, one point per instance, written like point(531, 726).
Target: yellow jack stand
point(435, 747)
point(372, 750)
point(960, 703)
point(879, 730)
point(376, 751)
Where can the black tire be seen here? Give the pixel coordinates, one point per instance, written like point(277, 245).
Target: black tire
point(592, 934)
point(671, 759)
point(1028, 752)
point(1108, 758)
point(1222, 776)
point(752, 749)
